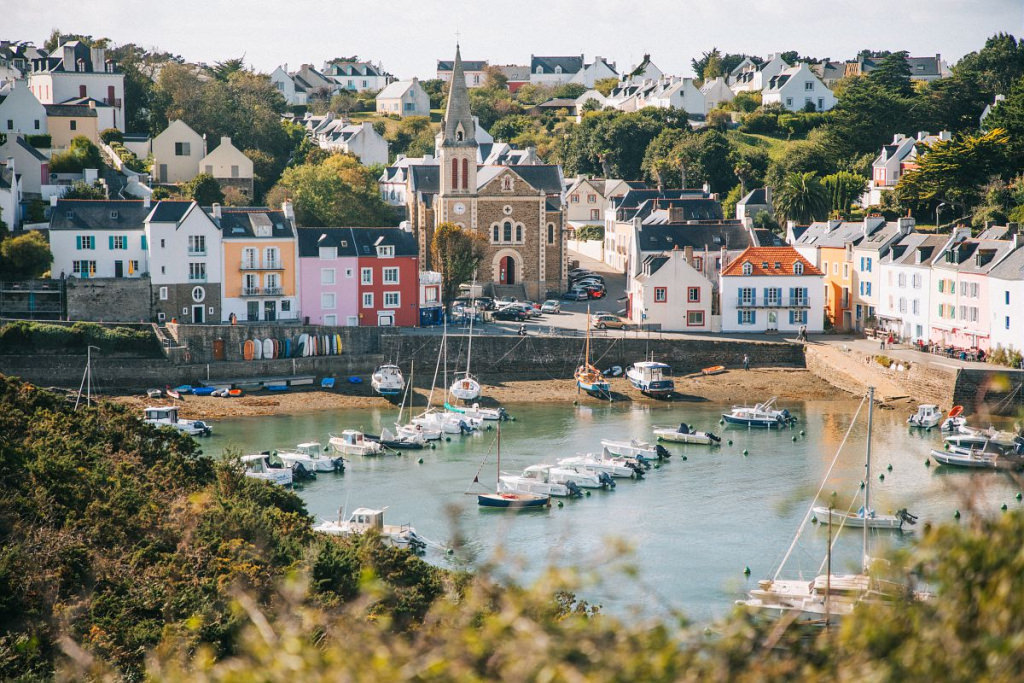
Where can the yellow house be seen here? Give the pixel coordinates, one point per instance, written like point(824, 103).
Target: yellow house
point(66, 122)
point(260, 267)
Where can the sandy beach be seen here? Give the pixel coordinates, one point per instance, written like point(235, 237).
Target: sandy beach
point(737, 386)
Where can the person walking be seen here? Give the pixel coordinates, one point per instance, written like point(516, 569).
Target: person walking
point(746, 362)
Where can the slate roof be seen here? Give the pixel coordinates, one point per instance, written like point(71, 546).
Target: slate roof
point(77, 110)
point(569, 65)
point(904, 252)
point(880, 239)
point(756, 197)
point(311, 239)
point(1010, 268)
point(770, 261)
point(558, 103)
point(367, 240)
point(638, 195)
point(21, 142)
point(714, 236)
point(767, 238)
point(353, 69)
point(169, 211)
point(659, 211)
point(85, 102)
point(544, 177)
point(425, 178)
point(98, 214)
point(238, 223)
point(820, 235)
point(467, 65)
point(974, 255)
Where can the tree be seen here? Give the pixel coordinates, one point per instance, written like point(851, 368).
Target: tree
point(81, 154)
point(265, 171)
point(709, 65)
point(338, 191)
point(223, 71)
point(606, 85)
point(996, 67)
point(1009, 116)
point(801, 198)
point(204, 189)
point(892, 73)
point(843, 189)
point(83, 190)
point(458, 254)
point(25, 256)
point(706, 158)
point(865, 118)
point(495, 78)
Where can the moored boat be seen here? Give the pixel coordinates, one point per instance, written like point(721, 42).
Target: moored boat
point(510, 500)
point(927, 416)
point(684, 433)
point(312, 457)
point(857, 520)
point(388, 439)
point(535, 479)
point(955, 420)
point(651, 378)
point(475, 411)
point(634, 448)
point(713, 370)
point(353, 442)
point(366, 519)
point(387, 380)
point(167, 416)
point(258, 466)
point(764, 415)
point(621, 467)
point(588, 377)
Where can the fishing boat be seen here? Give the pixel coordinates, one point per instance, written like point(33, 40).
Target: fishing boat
point(367, 519)
point(955, 420)
point(509, 500)
point(167, 416)
point(536, 479)
point(634, 448)
point(982, 450)
point(588, 377)
point(857, 520)
point(312, 457)
point(353, 442)
point(387, 380)
point(684, 433)
point(616, 467)
point(713, 370)
point(926, 417)
point(764, 415)
point(258, 466)
point(651, 378)
point(970, 458)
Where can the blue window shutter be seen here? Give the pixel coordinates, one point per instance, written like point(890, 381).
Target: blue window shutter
point(78, 241)
point(804, 291)
point(753, 317)
point(110, 241)
point(792, 316)
point(143, 241)
point(739, 317)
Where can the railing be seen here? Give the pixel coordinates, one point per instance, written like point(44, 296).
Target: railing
point(197, 278)
point(197, 252)
point(262, 291)
point(793, 302)
point(268, 264)
point(112, 102)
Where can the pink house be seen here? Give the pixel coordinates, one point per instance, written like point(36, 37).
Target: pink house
point(328, 276)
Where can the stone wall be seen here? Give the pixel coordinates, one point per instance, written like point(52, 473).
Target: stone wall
point(999, 391)
point(853, 371)
point(99, 299)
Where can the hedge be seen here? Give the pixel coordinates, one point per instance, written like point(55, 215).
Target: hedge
point(23, 337)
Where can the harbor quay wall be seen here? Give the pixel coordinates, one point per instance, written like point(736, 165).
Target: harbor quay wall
point(1000, 392)
point(110, 299)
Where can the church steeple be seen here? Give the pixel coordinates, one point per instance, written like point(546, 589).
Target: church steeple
point(457, 126)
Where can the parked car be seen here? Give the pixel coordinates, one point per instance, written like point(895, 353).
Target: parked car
point(551, 306)
point(613, 321)
point(509, 313)
point(575, 295)
point(502, 303)
point(528, 310)
point(594, 291)
point(485, 303)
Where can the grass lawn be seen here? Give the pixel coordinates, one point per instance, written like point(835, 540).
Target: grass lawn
point(776, 148)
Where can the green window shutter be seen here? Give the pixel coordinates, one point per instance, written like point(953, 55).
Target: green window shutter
point(143, 241)
point(78, 241)
point(110, 241)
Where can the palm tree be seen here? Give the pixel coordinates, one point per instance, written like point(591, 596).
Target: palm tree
point(801, 198)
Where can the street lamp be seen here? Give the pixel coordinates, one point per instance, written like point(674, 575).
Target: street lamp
point(938, 210)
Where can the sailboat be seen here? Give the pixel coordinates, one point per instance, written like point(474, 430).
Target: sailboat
point(828, 595)
point(465, 387)
point(440, 420)
point(588, 377)
point(509, 500)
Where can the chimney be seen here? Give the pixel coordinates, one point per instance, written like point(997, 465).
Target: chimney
point(215, 210)
point(98, 56)
point(768, 195)
point(921, 135)
point(834, 223)
point(288, 209)
point(707, 189)
point(676, 214)
point(225, 140)
point(688, 253)
point(907, 224)
point(147, 199)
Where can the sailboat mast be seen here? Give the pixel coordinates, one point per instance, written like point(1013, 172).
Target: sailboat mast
point(867, 476)
point(497, 478)
point(472, 315)
point(587, 349)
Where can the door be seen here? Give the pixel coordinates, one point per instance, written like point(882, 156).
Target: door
point(197, 314)
point(508, 271)
point(118, 268)
point(162, 173)
point(773, 321)
point(270, 310)
point(218, 349)
point(385, 319)
point(252, 310)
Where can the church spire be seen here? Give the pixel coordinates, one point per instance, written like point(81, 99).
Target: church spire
point(457, 126)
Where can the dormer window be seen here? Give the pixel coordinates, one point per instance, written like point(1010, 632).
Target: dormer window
point(558, 69)
point(748, 268)
point(385, 250)
point(113, 215)
point(798, 268)
point(778, 265)
point(458, 135)
point(540, 69)
point(764, 265)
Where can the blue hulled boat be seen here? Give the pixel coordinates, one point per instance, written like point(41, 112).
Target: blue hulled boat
point(764, 415)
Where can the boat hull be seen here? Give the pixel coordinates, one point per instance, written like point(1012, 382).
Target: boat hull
point(513, 501)
point(985, 461)
point(699, 438)
point(855, 521)
point(760, 423)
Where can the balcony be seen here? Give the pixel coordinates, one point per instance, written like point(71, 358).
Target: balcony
point(262, 291)
point(196, 278)
point(112, 102)
point(268, 264)
point(197, 252)
point(774, 303)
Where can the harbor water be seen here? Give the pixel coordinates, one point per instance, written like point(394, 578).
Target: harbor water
point(680, 538)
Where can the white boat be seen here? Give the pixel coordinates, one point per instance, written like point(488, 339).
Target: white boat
point(857, 520)
point(651, 378)
point(635, 448)
point(760, 415)
point(981, 452)
point(620, 468)
point(167, 416)
point(414, 431)
point(407, 439)
point(312, 457)
point(536, 479)
point(353, 442)
point(387, 380)
point(991, 440)
point(258, 467)
point(475, 411)
point(927, 416)
point(684, 433)
point(465, 387)
point(365, 519)
point(583, 477)
point(955, 421)
point(448, 423)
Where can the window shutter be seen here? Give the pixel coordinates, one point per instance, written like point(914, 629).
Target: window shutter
point(110, 241)
point(739, 317)
point(78, 241)
point(143, 241)
point(792, 316)
point(753, 317)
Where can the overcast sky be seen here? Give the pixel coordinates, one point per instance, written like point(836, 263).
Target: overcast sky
point(408, 36)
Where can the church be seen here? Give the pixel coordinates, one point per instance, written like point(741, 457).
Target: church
point(518, 209)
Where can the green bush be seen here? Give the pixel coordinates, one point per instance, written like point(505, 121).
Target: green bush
point(111, 135)
point(40, 141)
point(23, 337)
point(590, 233)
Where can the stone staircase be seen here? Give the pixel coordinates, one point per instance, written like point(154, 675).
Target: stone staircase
point(517, 292)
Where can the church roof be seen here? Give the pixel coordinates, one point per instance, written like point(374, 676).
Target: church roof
point(457, 112)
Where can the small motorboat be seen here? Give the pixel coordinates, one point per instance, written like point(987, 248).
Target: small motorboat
point(713, 370)
point(651, 378)
point(154, 393)
point(513, 501)
point(312, 457)
point(465, 388)
point(858, 520)
point(387, 380)
point(354, 442)
point(183, 389)
point(365, 519)
point(535, 480)
point(620, 468)
point(475, 411)
point(258, 466)
point(684, 433)
point(172, 393)
point(927, 416)
point(167, 416)
point(235, 393)
point(203, 391)
point(634, 448)
point(414, 431)
point(582, 477)
point(955, 420)
point(966, 457)
point(448, 423)
point(389, 439)
point(764, 415)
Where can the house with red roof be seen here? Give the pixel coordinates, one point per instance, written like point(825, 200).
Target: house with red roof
point(772, 289)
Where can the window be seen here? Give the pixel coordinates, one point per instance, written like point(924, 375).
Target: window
point(163, 294)
point(748, 269)
point(133, 267)
point(367, 299)
point(494, 234)
point(798, 296)
point(551, 233)
point(208, 169)
point(974, 290)
point(390, 276)
point(10, 124)
point(846, 270)
point(328, 253)
point(330, 320)
point(693, 294)
point(942, 285)
point(698, 263)
point(118, 242)
point(182, 149)
point(36, 124)
point(1006, 323)
point(391, 299)
point(660, 295)
point(574, 199)
point(772, 296)
point(74, 124)
point(903, 304)
point(386, 251)
point(507, 231)
point(197, 271)
point(591, 199)
point(349, 272)
point(695, 318)
point(1006, 297)
point(250, 258)
point(789, 101)
point(85, 242)
point(84, 268)
point(366, 276)
point(196, 245)
point(915, 306)
point(328, 301)
point(198, 294)
point(798, 268)
point(835, 268)
point(273, 283)
point(234, 171)
point(286, 305)
point(798, 317)
point(327, 276)
point(431, 294)
point(747, 317)
point(747, 296)
point(270, 258)
point(916, 280)
point(519, 233)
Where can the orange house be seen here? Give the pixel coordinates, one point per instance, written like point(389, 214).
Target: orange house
point(836, 264)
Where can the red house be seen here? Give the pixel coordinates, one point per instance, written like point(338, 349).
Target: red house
point(388, 277)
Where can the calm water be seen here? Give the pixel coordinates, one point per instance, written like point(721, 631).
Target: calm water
point(691, 526)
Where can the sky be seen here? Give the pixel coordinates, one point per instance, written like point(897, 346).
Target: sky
point(408, 36)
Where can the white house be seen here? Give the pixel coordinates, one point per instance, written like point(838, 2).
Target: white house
point(229, 166)
point(772, 289)
point(597, 70)
point(285, 84)
point(10, 194)
point(674, 93)
point(98, 238)
point(31, 164)
point(185, 264)
point(554, 70)
point(73, 71)
point(749, 77)
point(395, 178)
point(671, 294)
point(359, 139)
point(646, 70)
point(905, 285)
point(715, 92)
point(357, 76)
point(404, 98)
point(758, 200)
point(587, 198)
point(798, 88)
point(20, 111)
point(177, 151)
point(474, 71)
point(865, 257)
point(1006, 300)
point(894, 160)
